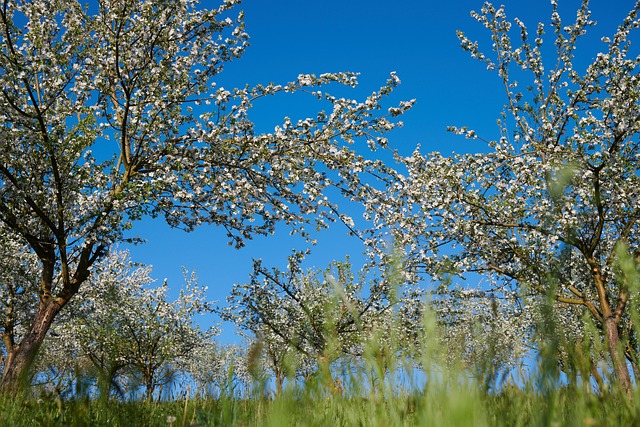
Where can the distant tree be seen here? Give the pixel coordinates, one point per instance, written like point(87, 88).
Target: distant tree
point(277, 356)
point(218, 370)
point(488, 334)
point(162, 334)
point(129, 330)
point(61, 370)
point(316, 316)
point(543, 210)
point(110, 112)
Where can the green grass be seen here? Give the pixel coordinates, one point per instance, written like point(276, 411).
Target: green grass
point(436, 396)
point(368, 396)
point(455, 406)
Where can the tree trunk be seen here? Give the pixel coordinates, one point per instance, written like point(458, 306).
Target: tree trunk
point(149, 382)
point(18, 362)
point(619, 361)
point(150, 388)
point(105, 382)
point(279, 381)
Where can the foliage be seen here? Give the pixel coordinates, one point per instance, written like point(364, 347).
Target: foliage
point(384, 384)
point(218, 370)
point(540, 211)
point(491, 333)
point(513, 408)
point(547, 216)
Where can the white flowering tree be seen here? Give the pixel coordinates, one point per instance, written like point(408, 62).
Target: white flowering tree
point(110, 112)
point(316, 317)
point(160, 335)
point(218, 370)
point(128, 329)
point(488, 335)
point(62, 369)
point(541, 210)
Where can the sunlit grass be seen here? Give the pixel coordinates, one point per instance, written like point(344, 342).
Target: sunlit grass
point(440, 404)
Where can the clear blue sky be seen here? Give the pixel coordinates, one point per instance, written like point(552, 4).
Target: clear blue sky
point(417, 39)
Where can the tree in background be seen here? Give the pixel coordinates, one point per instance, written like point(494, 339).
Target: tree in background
point(218, 370)
point(110, 112)
point(158, 335)
point(543, 210)
point(318, 317)
point(483, 331)
point(128, 330)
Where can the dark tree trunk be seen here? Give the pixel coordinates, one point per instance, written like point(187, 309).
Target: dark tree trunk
point(149, 382)
point(107, 382)
point(150, 389)
point(21, 356)
point(610, 319)
point(18, 362)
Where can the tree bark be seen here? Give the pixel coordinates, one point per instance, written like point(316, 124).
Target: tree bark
point(636, 369)
point(279, 381)
point(620, 367)
point(149, 382)
point(18, 363)
point(610, 325)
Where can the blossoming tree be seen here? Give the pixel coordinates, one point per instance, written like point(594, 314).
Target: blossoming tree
point(125, 328)
point(317, 317)
point(545, 209)
point(218, 370)
point(110, 112)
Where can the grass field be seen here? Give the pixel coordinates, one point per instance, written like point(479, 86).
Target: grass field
point(441, 405)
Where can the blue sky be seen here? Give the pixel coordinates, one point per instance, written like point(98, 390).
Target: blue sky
point(417, 39)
